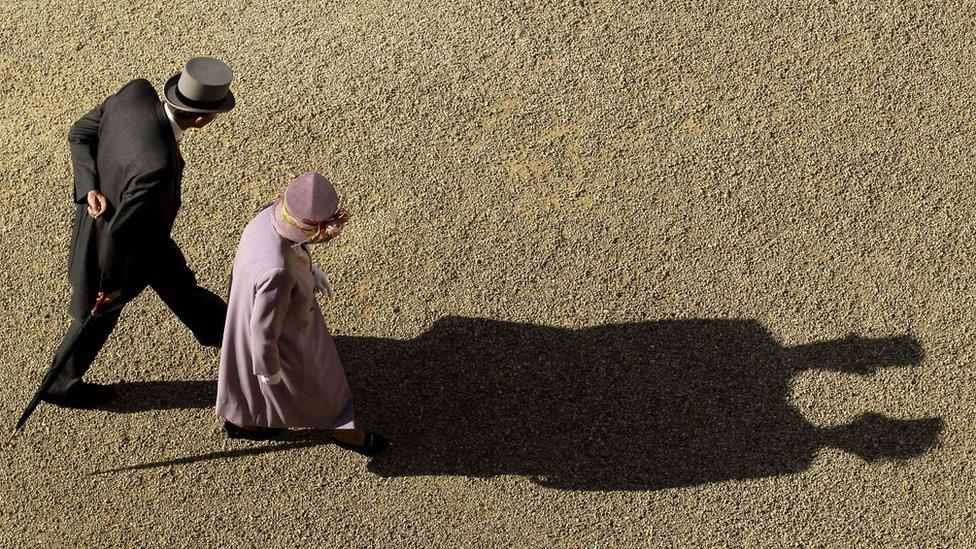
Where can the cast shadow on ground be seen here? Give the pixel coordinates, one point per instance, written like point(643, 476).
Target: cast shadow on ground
point(640, 406)
point(143, 396)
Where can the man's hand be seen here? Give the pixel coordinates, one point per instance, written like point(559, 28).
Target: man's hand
point(104, 300)
point(97, 204)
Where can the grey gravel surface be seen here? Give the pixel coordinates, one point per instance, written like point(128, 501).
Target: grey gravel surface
point(619, 274)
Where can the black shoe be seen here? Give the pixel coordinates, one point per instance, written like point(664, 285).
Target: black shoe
point(373, 443)
point(82, 395)
point(254, 433)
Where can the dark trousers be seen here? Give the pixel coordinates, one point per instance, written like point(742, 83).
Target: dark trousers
point(202, 311)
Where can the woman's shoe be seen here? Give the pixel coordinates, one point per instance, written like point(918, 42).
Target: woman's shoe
point(252, 433)
point(373, 443)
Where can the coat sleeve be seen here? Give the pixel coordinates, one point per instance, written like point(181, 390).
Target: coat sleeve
point(83, 140)
point(136, 218)
point(272, 295)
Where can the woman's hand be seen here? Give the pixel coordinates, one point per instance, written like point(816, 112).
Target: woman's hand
point(322, 283)
point(270, 380)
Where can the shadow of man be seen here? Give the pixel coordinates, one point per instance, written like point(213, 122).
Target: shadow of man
point(143, 396)
point(640, 406)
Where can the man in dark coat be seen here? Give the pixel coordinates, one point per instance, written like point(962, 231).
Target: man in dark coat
point(127, 171)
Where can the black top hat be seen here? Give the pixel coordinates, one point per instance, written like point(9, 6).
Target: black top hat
point(203, 87)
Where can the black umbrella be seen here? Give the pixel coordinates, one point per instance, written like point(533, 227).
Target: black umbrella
point(78, 333)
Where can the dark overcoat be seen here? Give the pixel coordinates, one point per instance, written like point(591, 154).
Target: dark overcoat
point(124, 148)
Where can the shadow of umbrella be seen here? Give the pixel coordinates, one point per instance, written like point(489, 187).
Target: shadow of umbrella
point(296, 443)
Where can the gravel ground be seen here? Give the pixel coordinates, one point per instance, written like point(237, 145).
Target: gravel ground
point(619, 273)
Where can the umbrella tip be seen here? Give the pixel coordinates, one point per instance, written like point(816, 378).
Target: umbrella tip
point(12, 435)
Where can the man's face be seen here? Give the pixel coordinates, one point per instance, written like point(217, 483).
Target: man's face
point(202, 120)
point(187, 120)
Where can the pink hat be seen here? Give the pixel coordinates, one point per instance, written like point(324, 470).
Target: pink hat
point(309, 199)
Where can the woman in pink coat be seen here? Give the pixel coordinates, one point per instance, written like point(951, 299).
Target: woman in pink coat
point(278, 365)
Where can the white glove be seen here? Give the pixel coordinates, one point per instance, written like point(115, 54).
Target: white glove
point(322, 283)
point(272, 380)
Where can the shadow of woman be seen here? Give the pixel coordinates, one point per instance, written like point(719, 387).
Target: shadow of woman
point(641, 406)
point(638, 406)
